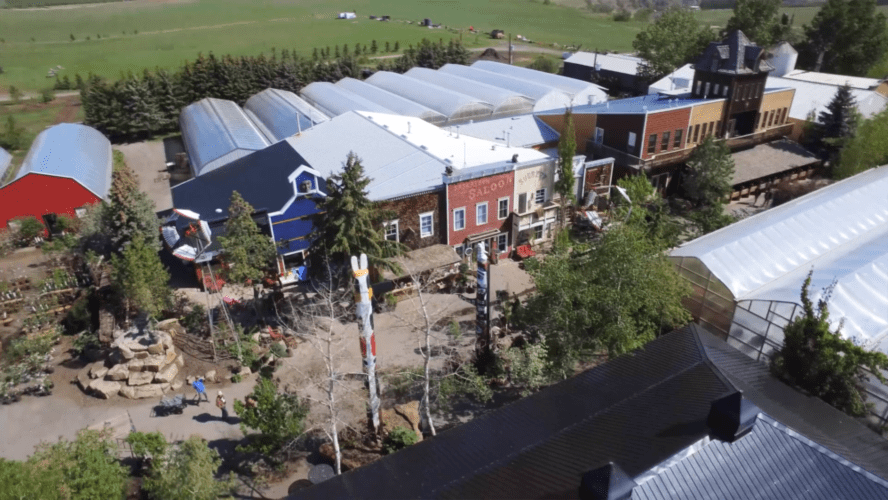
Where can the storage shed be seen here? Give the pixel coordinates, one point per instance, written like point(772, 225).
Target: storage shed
point(457, 107)
point(280, 114)
point(216, 132)
point(335, 100)
point(579, 91)
point(544, 97)
point(67, 167)
point(394, 102)
point(505, 102)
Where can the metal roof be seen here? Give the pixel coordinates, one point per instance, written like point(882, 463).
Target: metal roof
point(856, 82)
point(394, 102)
point(523, 131)
point(814, 97)
point(544, 97)
point(280, 113)
point(649, 103)
point(217, 132)
point(840, 231)
point(733, 55)
point(335, 100)
point(5, 161)
point(772, 461)
point(579, 91)
point(455, 106)
point(73, 151)
point(505, 102)
point(618, 63)
point(679, 81)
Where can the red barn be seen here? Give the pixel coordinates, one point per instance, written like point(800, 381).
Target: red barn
point(68, 166)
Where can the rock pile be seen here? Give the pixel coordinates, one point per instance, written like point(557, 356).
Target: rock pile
point(142, 364)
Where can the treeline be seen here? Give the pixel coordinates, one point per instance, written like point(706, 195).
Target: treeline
point(136, 107)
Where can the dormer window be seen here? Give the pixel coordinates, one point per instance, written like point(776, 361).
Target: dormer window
point(305, 186)
point(699, 83)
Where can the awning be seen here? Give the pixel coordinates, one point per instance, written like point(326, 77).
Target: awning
point(484, 235)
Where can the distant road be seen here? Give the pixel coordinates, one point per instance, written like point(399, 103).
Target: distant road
point(36, 95)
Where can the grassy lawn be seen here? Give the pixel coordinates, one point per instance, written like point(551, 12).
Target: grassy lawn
point(34, 117)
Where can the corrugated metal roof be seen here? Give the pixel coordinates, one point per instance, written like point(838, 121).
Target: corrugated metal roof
point(814, 97)
point(336, 101)
point(678, 81)
point(523, 131)
point(455, 106)
point(772, 461)
point(638, 105)
point(856, 82)
point(5, 161)
point(545, 97)
point(217, 132)
point(580, 92)
point(394, 102)
point(280, 114)
point(618, 63)
point(840, 231)
point(73, 151)
point(733, 55)
point(505, 102)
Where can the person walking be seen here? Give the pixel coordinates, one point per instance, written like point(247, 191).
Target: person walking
point(220, 403)
point(201, 390)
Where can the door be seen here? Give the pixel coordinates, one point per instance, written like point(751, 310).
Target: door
point(732, 125)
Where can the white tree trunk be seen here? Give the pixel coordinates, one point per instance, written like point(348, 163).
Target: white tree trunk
point(426, 406)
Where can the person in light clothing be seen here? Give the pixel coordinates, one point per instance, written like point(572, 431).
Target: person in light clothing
point(220, 403)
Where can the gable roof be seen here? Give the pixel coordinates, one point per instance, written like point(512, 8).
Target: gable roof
point(814, 97)
point(73, 151)
point(618, 63)
point(734, 55)
point(649, 103)
point(855, 82)
point(524, 131)
point(280, 113)
point(539, 446)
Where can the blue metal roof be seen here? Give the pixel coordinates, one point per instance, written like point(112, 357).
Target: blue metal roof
point(636, 105)
point(280, 114)
point(74, 151)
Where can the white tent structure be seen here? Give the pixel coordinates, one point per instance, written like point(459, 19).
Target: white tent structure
point(580, 92)
point(544, 97)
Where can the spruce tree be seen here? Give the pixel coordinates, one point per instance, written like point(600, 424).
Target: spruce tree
point(388, 47)
point(567, 149)
point(250, 253)
point(140, 279)
point(129, 214)
point(374, 47)
point(839, 122)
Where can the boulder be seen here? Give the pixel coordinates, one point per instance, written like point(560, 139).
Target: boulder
point(176, 385)
point(168, 342)
point(244, 371)
point(142, 354)
point(168, 325)
point(153, 363)
point(164, 386)
point(140, 378)
point(99, 372)
point(167, 374)
point(142, 391)
point(169, 357)
point(95, 368)
point(118, 372)
point(135, 365)
point(104, 388)
point(210, 376)
point(128, 392)
point(83, 379)
point(155, 348)
point(190, 379)
point(125, 352)
point(135, 345)
point(180, 360)
point(410, 411)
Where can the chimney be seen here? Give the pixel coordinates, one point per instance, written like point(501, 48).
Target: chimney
point(515, 158)
point(732, 417)
point(608, 482)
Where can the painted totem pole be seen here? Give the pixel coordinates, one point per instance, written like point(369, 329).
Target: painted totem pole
point(482, 301)
point(365, 325)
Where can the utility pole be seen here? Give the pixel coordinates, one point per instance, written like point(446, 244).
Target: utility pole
point(365, 326)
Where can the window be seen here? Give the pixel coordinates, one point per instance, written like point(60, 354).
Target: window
point(522, 203)
point(631, 142)
point(502, 242)
point(715, 90)
point(699, 83)
point(706, 92)
point(538, 232)
point(665, 144)
point(725, 91)
point(540, 196)
point(599, 135)
point(391, 230)
point(426, 224)
point(771, 118)
point(696, 133)
point(677, 143)
point(481, 214)
point(652, 143)
point(502, 208)
point(459, 219)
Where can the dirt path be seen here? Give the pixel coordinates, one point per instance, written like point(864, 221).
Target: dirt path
point(26, 96)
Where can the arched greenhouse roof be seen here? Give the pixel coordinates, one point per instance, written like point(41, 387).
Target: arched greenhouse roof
point(455, 106)
point(505, 102)
point(581, 92)
point(544, 97)
point(394, 102)
point(336, 101)
point(281, 114)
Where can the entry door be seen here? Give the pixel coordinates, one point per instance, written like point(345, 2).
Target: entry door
point(732, 125)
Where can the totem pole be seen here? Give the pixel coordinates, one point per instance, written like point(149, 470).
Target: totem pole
point(482, 302)
point(365, 325)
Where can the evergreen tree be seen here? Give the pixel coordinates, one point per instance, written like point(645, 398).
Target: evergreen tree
point(710, 171)
point(567, 149)
point(140, 279)
point(314, 54)
point(388, 47)
point(821, 362)
point(839, 122)
point(250, 253)
point(397, 46)
point(846, 37)
point(13, 136)
point(373, 47)
point(129, 215)
point(345, 225)
point(336, 54)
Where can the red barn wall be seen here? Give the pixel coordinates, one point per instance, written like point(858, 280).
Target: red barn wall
point(37, 194)
point(468, 193)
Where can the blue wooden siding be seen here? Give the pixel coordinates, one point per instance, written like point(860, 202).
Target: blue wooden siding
point(291, 229)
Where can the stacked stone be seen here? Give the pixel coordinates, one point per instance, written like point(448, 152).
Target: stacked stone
point(141, 365)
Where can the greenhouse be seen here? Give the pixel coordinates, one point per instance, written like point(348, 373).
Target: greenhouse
point(455, 106)
point(580, 92)
point(505, 102)
point(280, 114)
point(335, 101)
point(544, 97)
point(394, 102)
point(217, 132)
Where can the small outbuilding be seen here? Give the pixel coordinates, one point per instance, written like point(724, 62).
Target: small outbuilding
point(347, 15)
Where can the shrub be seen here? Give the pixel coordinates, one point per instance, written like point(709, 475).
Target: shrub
point(622, 16)
point(398, 438)
point(188, 472)
point(147, 444)
point(278, 418)
point(85, 341)
point(543, 63)
point(195, 320)
point(278, 350)
point(29, 228)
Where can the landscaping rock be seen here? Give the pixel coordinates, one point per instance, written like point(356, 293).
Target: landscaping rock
point(99, 373)
point(94, 369)
point(118, 372)
point(180, 360)
point(136, 346)
point(153, 363)
point(210, 376)
point(125, 352)
point(170, 357)
point(155, 348)
point(128, 392)
point(190, 379)
point(83, 379)
point(140, 378)
point(167, 374)
point(142, 354)
point(410, 411)
point(135, 365)
point(176, 385)
point(142, 392)
point(244, 371)
point(104, 388)
point(255, 337)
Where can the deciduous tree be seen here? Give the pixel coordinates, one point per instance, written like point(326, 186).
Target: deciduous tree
point(85, 468)
point(868, 148)
point(675, 39)
point(759, 20)
point(710, 170)
point(187, 472)
point(567, 148)
point(846, 37)
point(13, 136)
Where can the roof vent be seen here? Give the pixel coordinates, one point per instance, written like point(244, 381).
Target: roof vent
point(408, 127)
point(384, 125)
point(515, 158)
point(424, 147)
point(493, 147)
point(732, 417)
point(609, 482)
point(218, 210)
point(448, 170)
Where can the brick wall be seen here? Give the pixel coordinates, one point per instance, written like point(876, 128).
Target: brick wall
point(407, 212)
point(661, 122)
point(468, 194)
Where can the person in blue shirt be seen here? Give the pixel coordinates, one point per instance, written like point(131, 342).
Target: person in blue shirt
point(201, 390)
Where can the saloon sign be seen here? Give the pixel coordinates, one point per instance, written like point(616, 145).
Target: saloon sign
point(489, 188)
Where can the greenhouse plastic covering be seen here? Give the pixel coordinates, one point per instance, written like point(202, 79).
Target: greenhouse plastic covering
point(217, 132)
point(505, 102)
point(73, 151)
point(280, 114)
point(5, 160)
point(580, 92)
point(840, 232)
point(335, 100)
point(455, 106)
point(544, 97)
point(394, 102)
